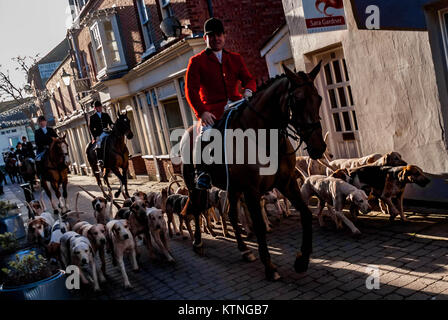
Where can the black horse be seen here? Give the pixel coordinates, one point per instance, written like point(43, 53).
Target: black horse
point(116, 156)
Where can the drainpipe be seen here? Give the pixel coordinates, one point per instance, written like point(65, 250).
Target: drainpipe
point(210, 8)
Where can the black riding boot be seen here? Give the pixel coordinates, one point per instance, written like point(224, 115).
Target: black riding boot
point(99, 156)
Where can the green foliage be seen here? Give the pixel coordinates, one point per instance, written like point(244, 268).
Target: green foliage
point(6, 208)
point(26, 269)
point(8, 241)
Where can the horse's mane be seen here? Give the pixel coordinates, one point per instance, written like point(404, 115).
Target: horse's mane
point(264, 85)
point(267, 84)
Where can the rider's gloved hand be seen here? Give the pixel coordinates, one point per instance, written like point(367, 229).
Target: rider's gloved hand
point(207, 119)
point(247, 94)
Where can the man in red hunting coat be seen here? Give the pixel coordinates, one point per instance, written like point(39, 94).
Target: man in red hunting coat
point(212, 81)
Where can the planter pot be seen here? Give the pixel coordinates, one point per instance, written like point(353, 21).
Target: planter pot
point(13, 224)
point(52, 288)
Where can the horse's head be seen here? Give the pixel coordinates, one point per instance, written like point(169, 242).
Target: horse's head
point(123, 125)
point(304, 105)
point(60, 150)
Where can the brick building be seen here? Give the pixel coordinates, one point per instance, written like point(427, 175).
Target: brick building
point(120, 56)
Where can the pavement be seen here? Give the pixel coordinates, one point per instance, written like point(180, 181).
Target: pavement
point(409, 260)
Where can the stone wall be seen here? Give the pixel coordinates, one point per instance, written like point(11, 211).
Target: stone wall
point(394, 86)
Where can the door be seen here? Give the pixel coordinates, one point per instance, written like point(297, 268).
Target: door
point(338, 105)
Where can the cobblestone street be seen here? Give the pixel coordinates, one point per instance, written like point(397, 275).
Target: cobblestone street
point(411, 257)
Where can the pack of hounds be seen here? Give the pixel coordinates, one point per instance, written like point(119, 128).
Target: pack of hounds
point(156, 217)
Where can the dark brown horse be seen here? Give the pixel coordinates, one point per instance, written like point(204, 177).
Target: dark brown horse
point(116, 156)
point(291, 100)
point(55, 171)
point(12, 169)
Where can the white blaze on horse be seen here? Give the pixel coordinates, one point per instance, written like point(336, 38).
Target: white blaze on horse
point(55, 172)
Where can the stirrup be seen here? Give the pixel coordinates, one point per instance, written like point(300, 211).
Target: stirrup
point(203, 181)
point(100, 163)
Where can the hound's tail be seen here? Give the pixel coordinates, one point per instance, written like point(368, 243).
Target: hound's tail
point(302, 173)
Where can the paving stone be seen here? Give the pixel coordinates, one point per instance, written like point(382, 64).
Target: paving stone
point(411, 268)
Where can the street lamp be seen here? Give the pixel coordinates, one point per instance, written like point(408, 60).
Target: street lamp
point(65, 77)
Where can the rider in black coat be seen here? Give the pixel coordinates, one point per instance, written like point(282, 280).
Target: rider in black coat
point(28, 149)
point(43, 137)
point(99, 122)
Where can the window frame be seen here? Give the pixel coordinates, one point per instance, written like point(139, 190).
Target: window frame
point(145, 22)
point(166, 8)
point(443, 20)
point(109, 66)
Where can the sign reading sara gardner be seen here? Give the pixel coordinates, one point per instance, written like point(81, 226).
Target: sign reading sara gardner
point(324, 15)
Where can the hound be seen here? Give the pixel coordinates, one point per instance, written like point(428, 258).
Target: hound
point(39, 228)
point(57, 231)
point(175, 203)
point(388, 184)
point(314, 167)
point(102, 212)
point(393, 159)
point(218, 208)
point(120, 242)
point(77, 250)
point(158, 231)
point(157, 199)
point(334, 192)
point(138, 222)
point(96, 233)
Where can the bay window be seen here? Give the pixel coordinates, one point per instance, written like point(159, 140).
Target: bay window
point(107, 46)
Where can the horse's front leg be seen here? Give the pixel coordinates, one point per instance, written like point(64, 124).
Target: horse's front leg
point(291, 191)
point(125, 183)
point(116, 171)
point(55, 187)
point(106, 180)
point(64, 192)
point(253, 203)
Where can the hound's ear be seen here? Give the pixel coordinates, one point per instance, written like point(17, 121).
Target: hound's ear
point(350, 197)
point(313, 74)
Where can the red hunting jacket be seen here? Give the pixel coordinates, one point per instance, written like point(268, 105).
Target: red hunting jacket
point(210, 84)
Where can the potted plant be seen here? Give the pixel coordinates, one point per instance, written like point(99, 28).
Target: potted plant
point(8, 243)
point(11, 220)
point(31, 277)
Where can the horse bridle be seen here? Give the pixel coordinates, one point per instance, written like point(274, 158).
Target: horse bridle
point(301, 134)
point(65, 154)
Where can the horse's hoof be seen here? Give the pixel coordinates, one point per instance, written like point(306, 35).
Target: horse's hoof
point(272, 275)
point(301, 263)
point(199, 250)
point(249, 256)
point(117, 194)
point(357, 234)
